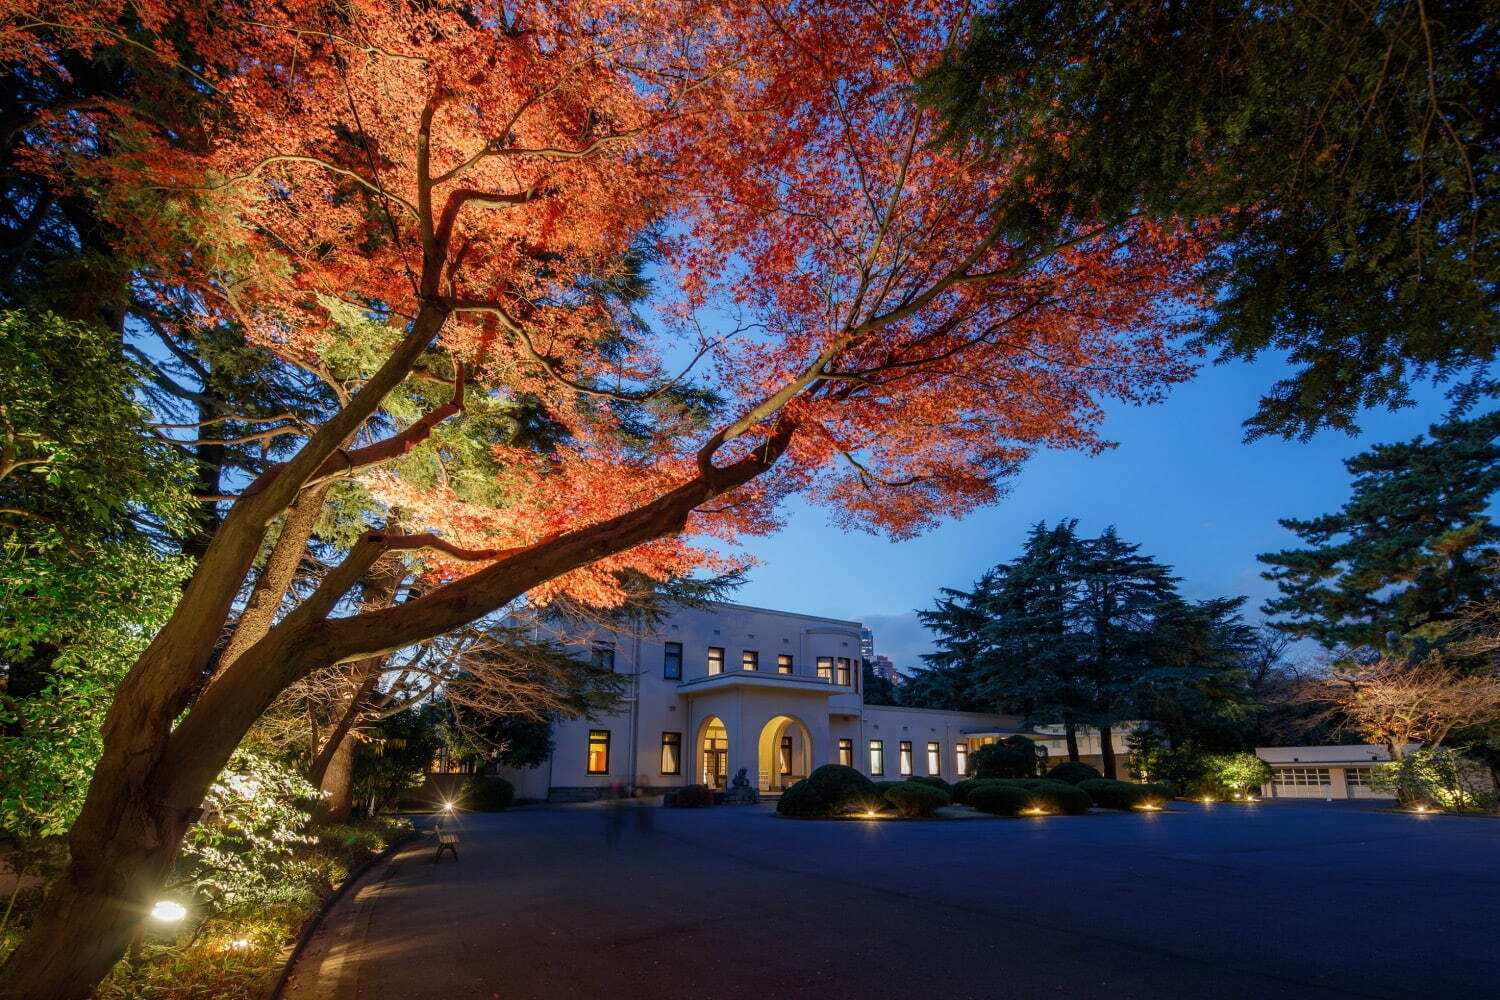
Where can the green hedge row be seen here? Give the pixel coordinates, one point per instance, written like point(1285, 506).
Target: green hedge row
point(1111, 794)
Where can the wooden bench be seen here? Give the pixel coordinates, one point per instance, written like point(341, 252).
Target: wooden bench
point(446, 842)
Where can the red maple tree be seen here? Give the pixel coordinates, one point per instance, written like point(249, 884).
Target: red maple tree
point(470, 174)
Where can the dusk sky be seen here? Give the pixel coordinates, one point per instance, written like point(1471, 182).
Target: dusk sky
point(1181, 483)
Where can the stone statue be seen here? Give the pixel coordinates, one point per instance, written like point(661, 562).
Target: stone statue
point(740, 792)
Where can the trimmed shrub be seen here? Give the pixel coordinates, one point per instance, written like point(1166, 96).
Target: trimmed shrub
point(1235, 772)
point(1012, 757)
point(915, 798)
point(1073, 771)
point(843, 788)
point(693, 797)
point(961, 789)
point(802, 801)
point(487, 793)
point(933, 781)
point(1111, 794)
point(998, 799)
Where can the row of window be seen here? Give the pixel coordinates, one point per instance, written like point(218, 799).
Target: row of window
point(1288, 777)
point(671, 755)
point(834, 669)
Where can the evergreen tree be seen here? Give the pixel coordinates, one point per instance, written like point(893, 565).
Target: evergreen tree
point(1412, 547)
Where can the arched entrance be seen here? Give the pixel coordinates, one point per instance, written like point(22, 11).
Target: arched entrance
point(713, 753)
point(785, 753)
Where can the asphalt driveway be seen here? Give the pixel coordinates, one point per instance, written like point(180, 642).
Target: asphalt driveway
point(1276, 900)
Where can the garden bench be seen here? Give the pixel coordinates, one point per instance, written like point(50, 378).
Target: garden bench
point(447, 841)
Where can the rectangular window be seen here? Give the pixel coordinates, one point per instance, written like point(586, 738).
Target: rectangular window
point(961, 758)
point(749, 660)
point(671, 662)
point(598, 751)
point(846, 753)
point(602, 656)
point(784, 663)
point(1301, 777)
point(877, 757)
point(671, 753)
point(934, 759)
point(844, 670)
point(715, 659)
point(825, 668)
point(1358, 777)
point(906, 758)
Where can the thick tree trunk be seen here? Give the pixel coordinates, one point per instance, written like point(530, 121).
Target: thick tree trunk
point(1071, 732)
point(337, 782)
point(1107, 750)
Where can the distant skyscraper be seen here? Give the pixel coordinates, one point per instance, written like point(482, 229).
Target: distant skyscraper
point(867, 644)
point(883, 667)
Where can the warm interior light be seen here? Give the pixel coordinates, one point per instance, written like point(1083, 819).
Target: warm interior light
point(168, 912)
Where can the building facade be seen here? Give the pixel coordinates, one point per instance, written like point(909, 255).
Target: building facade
point(716, 690)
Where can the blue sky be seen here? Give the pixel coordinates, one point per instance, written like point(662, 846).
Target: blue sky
point(1181, 483)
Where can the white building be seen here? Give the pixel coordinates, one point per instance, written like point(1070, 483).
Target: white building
point(1322, 772)
point(729, 687)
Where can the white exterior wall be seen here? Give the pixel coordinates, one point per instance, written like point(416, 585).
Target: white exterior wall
point(755, 708)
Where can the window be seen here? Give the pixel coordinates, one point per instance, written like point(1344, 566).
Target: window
point(961, 758)
point(749, 660)
point(603, 656)
point(1358, 777)
point(671, 662)
point(844, 670)
point(846, 753)
point(1291, 777)
point(671, 753)
point(784, 663)
point(825, 668)
point(598, 751)
point(906, 758)
point(716, 659)
point(877, 757)
point(934, 759)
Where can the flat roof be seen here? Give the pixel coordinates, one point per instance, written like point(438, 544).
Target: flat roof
point(1338, 754)
point(779, 611)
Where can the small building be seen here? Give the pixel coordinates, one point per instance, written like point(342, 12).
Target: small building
point(716, 689)
point(1323, 772)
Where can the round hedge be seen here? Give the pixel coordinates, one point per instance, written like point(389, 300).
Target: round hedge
point(998, 799)
point(802, 801)
point(934, 781)
point(1073, 772)
point(488, 793)
point(693, 797)
point(915, 798)
point(843, 788)
point(1112, 794)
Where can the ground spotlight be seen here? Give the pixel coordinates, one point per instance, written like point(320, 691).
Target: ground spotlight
point(168, 912)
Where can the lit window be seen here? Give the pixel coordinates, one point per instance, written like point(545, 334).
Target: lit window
point(602, 656)
point(784, 663)
point(749, 660)
point(877, 757)
point(598, 751)
point(825, 668)
point(844, 670)
point(716, 659)
point(671, 662)
point(1301, 777)
point(961, 758)
point(906, 758)
point(934, 759)
point(846, 753)
point(671, 753)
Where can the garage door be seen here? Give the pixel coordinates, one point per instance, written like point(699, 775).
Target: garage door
point(1301, 783)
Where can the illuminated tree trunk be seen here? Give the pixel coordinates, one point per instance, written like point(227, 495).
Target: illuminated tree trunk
point(1107, 750)
point(337, 782)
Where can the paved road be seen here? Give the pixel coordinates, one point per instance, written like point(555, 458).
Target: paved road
point(1279, 900)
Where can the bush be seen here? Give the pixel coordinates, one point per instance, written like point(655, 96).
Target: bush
point(915, 798)
point(487, 793)
point(1058, 796)
point(801, 801)
point(998, 799)
point(1012, 757)
point(843, 788)
point(933, 781)
point(693, 797)
point(961, 789)
point(1073, 772)
point(1111, 794)
point(1235, 772)
point(1435, 776)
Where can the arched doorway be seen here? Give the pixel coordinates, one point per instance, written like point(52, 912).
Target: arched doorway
point(785, 753)
point(713, 753)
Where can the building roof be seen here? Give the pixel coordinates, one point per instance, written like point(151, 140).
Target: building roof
point(1356, 754)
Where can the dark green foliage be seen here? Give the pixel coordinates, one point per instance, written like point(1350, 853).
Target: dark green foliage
point(1352, 147)
point(1012, 757)
point(802, 801)
point(697, 797)
point(1124, 794)
point(877, 690)
point(1073, 772)
point(843, 788)
point(487, 793)
point(1036, 793)
point(998, 799)
point(913, 798)
point(1412, 547)
point(933, 780)
point(961, 789)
